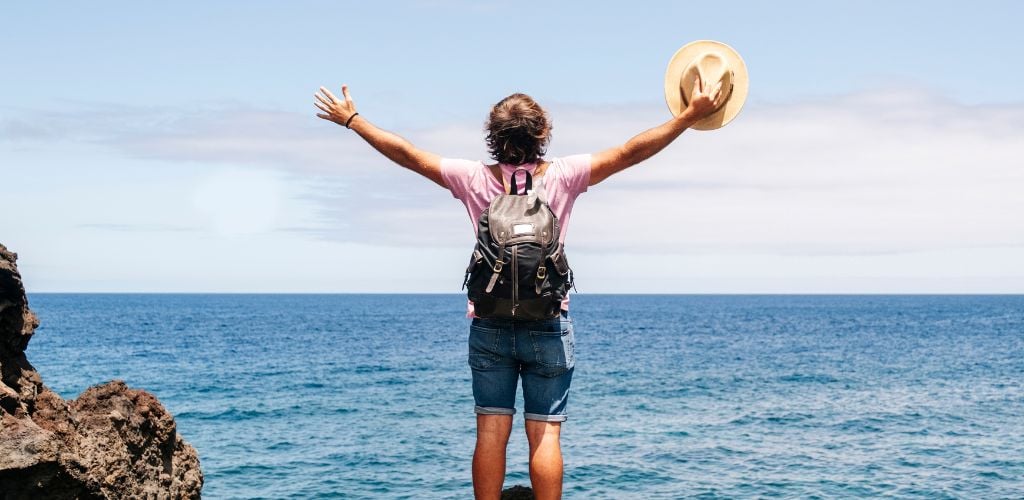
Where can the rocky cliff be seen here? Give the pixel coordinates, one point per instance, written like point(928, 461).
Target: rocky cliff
point(110, 442)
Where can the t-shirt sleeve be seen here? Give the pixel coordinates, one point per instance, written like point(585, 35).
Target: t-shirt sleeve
point(576, 173)
point(458, 175)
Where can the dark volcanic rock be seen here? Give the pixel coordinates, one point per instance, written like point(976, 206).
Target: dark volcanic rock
point(111, 442)
point(517, 492)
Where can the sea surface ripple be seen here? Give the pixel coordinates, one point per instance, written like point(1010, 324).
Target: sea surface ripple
point(368, 396)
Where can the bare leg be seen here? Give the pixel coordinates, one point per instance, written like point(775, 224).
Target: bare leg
point(492, 432)
point(545, 459)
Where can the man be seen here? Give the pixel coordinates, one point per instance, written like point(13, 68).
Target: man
point(501, 352)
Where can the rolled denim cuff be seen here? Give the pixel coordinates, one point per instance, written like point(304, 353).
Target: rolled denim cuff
point(545, 418)
point(493, 410)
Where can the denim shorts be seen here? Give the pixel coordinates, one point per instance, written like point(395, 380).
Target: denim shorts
point(540, 352)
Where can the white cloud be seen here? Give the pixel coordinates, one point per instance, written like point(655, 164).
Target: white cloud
point(885, 178)
point(865, 174)
point(876, 172)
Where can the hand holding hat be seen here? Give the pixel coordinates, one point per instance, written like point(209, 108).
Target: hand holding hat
point(709, 78)
point(704, 98)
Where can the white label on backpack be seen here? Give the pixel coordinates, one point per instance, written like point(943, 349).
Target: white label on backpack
point(518, 229)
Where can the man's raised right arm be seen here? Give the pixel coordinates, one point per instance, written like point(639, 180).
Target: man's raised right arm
point(646, 144)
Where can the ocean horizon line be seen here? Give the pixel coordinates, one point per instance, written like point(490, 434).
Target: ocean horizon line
point(631, 294)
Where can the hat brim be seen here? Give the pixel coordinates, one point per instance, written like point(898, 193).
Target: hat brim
point(741, 82)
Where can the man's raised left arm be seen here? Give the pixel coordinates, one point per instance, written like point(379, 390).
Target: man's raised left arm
point(394, 147)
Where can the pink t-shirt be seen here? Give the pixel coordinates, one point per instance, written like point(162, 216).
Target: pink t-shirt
point(473, 183)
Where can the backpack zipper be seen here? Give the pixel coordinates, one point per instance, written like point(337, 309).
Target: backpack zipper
point(515, 282)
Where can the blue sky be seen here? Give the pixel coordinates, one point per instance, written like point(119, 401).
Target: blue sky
point(173, 147)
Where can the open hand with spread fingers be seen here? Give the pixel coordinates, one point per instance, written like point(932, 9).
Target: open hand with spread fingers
point(705, 99)
point(336, 110)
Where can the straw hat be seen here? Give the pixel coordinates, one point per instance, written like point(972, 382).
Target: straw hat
point(712, 62)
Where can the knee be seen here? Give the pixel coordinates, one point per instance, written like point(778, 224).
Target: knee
point(493, 427)
point(539, 431)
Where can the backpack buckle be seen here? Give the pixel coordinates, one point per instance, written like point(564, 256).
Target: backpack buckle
point(498, 265)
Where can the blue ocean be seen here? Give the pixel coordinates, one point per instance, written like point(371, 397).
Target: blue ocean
point(368, 396)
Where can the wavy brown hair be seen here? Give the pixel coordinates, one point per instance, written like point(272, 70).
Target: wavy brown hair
point(518, 130)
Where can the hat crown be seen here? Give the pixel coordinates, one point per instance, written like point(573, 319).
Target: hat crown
point(709, 65)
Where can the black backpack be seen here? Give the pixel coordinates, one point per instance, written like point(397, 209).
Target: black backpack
point(518, 268)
